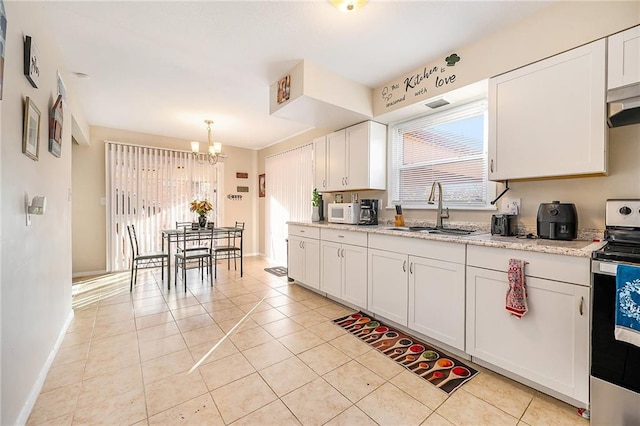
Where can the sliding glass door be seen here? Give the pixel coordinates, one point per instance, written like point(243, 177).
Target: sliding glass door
point(289, 186)
point(151, 188)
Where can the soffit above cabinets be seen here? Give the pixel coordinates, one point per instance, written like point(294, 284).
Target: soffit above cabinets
point(312, 95)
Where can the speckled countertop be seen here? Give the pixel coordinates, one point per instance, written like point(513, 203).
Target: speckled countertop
point(480, 237)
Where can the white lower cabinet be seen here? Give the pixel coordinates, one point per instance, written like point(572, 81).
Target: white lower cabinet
point(304, 257)
point(387, 284)
point(436, 300)
point(344, 266)
point(550, 344)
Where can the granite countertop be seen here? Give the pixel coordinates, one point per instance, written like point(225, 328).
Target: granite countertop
point(480, 237)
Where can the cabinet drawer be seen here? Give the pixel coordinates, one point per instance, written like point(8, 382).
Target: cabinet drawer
point(439, 250)
point(304, 231)
point(346, 237)
point(542, 265)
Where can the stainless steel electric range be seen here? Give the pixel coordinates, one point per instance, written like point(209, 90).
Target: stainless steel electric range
point(615, 365)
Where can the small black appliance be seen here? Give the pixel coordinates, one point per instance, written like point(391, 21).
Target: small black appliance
point(368, 212)
point(505, 225)
point(557, 221)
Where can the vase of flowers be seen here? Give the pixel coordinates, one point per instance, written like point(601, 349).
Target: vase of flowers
point(202, 208)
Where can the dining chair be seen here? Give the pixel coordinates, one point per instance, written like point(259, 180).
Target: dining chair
point(229, 250)
point(186, 254)
point(195, 240)
point(143, 260)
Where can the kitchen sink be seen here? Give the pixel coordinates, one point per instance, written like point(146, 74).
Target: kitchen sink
point(430, 230)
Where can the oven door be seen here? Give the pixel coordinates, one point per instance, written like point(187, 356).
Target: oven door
point(615, 365)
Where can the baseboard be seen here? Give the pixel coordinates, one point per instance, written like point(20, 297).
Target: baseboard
point(37, 386)
point(88, 273)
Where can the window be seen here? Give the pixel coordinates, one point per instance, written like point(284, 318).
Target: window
point(449, 147)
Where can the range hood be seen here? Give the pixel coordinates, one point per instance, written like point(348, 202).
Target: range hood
point(623, 105)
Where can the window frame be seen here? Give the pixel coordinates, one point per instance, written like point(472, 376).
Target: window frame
point(455, 112)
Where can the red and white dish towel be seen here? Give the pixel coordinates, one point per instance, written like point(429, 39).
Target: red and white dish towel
point(516, 301)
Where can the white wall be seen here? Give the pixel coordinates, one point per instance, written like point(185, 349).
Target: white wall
point(35, 260)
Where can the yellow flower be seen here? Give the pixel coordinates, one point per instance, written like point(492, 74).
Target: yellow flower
point(201, 207)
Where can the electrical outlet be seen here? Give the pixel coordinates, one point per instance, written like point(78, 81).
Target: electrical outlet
point(512, 205)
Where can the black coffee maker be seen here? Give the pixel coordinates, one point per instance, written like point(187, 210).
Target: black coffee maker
point(368, 212)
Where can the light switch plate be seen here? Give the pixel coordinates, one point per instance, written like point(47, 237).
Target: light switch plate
point(512, 205)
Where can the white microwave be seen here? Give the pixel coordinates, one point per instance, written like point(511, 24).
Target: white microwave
point(343, 213)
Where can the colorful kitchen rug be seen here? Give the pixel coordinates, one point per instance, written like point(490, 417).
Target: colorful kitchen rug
point(278, 271)
point(441, 370)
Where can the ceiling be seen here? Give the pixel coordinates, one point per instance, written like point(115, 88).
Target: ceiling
point(164, 67)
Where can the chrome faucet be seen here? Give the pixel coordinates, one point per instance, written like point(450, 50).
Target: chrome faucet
point(440, 215)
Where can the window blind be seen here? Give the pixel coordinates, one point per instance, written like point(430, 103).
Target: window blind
point(449, 147)
point(151, 188)
point(289, 186)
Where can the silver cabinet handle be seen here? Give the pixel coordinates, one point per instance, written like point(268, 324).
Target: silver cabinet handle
point(581, 306)
point(342, 252)
point(346, 180)
point(340, 236)
point(300, 244)
point(491, 167)
point(404, 266)
point(324, 183)
point(411, 268)
point(338, 251)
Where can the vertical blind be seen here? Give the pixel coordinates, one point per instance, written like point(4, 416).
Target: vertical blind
point(289, 185)
point(151, 188)
point(449, 147)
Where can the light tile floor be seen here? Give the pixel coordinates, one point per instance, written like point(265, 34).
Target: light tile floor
point(126, 356)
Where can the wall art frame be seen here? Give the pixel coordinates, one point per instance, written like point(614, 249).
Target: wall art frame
point(55, 128)
point(284, 88)
point(261, 186)
point(31, 61)
point(31, 130)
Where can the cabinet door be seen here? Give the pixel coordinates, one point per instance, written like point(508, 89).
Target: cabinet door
point(437, 300)
point(624, 58)
point(320, 163)
point(549, 345)
point(549, 118)
point(331, 266)
point(336, 167)
point(357, 151)
point(387, 285)
point(295, 264)
point(311, 262)
point(354, 275)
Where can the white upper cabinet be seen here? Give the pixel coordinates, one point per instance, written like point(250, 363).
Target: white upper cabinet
point(320, 163)
point(357, 157)
point(549, 118)
point(624, 58)
point(337, 161)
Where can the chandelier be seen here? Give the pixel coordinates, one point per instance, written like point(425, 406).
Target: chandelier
point(210, 156)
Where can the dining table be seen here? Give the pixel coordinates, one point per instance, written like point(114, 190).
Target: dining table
point(170, 236)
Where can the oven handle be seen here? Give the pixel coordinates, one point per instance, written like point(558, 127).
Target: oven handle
point(604, 268)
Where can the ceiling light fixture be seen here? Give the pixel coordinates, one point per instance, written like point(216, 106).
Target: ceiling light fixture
point(348, 5)
point(212, 155)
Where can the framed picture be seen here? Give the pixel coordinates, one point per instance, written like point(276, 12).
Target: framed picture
point(31, 130)
point(261, 185)
point(284, 88)
point(3, 43)
point(55, 128)
point(31, 61)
